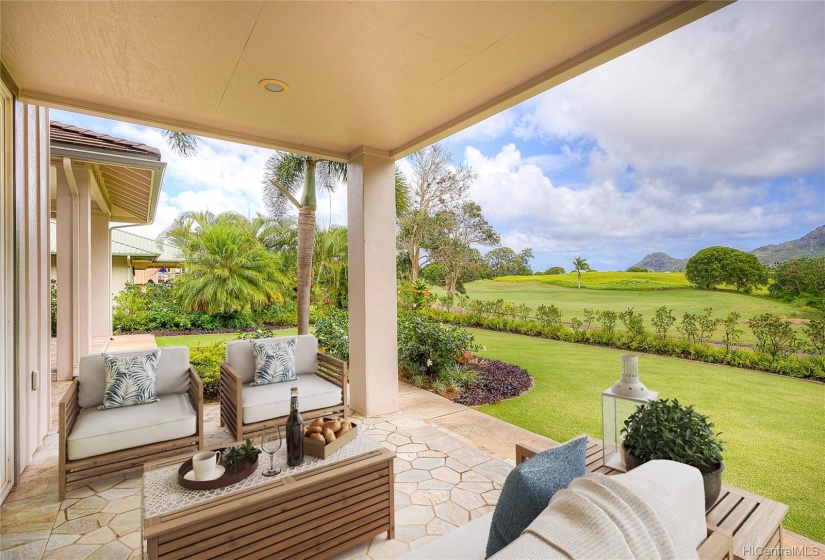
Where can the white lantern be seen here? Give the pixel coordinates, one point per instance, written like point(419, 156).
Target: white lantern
point(618, 403)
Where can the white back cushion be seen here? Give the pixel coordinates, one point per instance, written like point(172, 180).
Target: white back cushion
point(239, 355)
point(172, 376)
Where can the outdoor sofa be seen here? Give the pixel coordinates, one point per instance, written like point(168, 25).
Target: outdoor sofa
point(96, 444)
point(248, 409)
point(684, 491)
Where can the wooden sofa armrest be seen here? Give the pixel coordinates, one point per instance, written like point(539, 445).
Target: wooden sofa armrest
point(68, 409)
point(335, 371)
point(231, 400)
point(718, 546)
point(524, 452)
point(196, 397)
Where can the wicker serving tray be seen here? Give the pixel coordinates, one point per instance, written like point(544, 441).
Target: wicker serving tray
point(228, 477)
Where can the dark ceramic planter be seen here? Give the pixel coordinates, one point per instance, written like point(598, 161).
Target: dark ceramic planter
point(712, 480)
point(713, 485)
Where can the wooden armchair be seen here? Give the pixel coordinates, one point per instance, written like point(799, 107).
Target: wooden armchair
point(97, 444)
point(248, 410)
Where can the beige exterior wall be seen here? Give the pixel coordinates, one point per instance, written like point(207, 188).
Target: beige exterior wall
point(373, 324)
point(121, 273)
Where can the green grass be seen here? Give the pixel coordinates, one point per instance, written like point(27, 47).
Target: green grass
point(191, 340)
point(573, 301)
point(609, 280)
point(772, 425)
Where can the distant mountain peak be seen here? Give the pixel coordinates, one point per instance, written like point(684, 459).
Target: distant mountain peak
point(662, 262)
point(811, 245)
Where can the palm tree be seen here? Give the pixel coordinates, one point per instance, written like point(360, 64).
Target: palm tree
point(580, 265)
point(329, 264)
point(284, 175)
point(228, 271)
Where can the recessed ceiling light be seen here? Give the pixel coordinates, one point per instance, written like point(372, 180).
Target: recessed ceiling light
point(273, 86)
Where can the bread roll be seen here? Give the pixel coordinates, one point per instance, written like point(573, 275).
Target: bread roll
point(345, 427)
point(317, 422)
point(318, 437)
point(335, 425)
point(315, 430)
point(329, 435)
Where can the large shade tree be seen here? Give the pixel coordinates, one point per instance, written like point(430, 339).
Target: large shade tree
point(436, 185)
point(452, 245)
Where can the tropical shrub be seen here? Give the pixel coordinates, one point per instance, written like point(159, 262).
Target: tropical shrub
point(206, 359)
point(54, 307)
point(775, 336)
point(815, 331)
point(663, 319)
point(427, 347)
point(332, 332)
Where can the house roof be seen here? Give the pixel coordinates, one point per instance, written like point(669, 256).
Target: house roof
point(128, 244)
point(127, 175)
point(384, 77)
point(69, 134)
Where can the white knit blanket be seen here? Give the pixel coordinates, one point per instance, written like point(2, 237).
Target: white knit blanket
point(606, 517)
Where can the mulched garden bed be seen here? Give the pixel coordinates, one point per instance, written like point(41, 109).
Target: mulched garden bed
point(500, 381)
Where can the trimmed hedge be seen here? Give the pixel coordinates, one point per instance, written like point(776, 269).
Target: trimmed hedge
point(793, 365)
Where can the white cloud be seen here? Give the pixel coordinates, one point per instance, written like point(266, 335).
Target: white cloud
point(533, 212)
point(739, 92)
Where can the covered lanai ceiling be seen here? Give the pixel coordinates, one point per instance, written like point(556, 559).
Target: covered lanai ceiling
point(392, 76)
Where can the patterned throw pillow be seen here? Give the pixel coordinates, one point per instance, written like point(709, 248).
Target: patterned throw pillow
point(130, 380)
point(529, 487)
point(274, 361)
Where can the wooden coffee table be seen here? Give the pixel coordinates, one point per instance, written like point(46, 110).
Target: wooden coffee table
point(312, 514)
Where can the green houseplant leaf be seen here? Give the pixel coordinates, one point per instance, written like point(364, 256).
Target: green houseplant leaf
point(664, 429)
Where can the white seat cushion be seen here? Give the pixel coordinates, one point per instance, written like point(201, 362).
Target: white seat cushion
point(263, 402)
point(104, 431)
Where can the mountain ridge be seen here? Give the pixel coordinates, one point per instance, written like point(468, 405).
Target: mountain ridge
point(811, 245)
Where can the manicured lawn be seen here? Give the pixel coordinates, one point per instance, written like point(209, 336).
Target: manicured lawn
point(572, 301)
point(203, 339)
point(772, 425)
point(609, 280)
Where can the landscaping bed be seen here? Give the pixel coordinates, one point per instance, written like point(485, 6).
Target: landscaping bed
point(497, 382)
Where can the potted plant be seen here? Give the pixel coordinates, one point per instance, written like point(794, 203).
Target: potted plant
point(664, 429)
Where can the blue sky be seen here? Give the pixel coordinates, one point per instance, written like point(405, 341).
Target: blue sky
point(711, 135)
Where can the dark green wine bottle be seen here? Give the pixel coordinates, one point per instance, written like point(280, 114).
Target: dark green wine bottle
point(294, 432)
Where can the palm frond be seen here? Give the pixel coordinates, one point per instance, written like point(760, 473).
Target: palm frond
point(181, 143)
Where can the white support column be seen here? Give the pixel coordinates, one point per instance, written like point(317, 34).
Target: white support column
point(84, 260)
point(66, 325)
point(372, 287)
point(101, 266)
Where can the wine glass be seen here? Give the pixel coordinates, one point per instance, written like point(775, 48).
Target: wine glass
point(271, 443)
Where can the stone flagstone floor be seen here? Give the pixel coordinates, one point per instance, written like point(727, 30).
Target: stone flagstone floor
point(441, 482)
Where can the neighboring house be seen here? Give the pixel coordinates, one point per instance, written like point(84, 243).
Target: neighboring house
point(135, 259)
point(96, 181)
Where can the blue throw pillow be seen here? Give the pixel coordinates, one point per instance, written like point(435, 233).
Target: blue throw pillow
point(130, 380)
point(529, 487)
point(274, 361)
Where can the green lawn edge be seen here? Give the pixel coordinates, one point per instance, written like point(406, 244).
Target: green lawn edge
point(772, 425)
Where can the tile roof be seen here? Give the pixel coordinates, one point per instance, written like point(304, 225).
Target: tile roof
point(68, 134)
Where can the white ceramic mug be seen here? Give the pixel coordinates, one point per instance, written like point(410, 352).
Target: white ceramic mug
point(205, 464)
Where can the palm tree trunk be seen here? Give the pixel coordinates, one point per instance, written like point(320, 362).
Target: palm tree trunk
point(306, 243)
point(580, 279)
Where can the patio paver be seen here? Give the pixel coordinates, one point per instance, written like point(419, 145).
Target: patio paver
point(445, 477)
